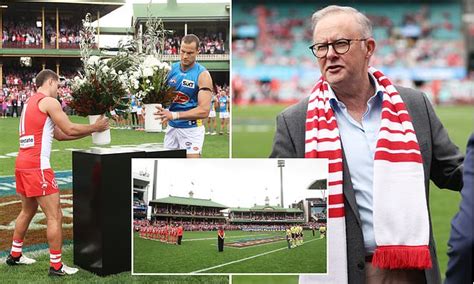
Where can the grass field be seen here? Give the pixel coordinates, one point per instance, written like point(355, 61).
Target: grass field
point(198, 254)
point(252, 124)
point(214, 146)
point(38, 273)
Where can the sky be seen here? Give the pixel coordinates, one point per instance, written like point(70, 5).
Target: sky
point(236, 182)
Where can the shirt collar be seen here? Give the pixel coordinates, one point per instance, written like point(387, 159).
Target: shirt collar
point(379, 90)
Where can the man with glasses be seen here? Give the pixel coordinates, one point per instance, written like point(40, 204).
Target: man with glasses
point(383, 144)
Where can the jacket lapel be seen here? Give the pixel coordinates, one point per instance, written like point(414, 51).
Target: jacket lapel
point(349, 190)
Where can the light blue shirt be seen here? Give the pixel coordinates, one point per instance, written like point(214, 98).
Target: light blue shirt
point(359, 142)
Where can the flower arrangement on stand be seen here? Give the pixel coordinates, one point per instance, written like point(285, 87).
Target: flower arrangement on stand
point(148, 83)
point(147, 79)
point(99, 88)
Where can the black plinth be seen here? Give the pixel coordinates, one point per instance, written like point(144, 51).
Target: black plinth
point(102, 200)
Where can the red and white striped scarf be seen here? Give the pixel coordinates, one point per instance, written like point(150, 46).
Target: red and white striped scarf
point(400, 213)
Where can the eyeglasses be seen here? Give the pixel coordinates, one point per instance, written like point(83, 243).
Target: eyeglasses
point(340, 46)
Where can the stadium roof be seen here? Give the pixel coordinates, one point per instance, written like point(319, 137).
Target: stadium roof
point(182, 12)
point(265, 208)
point(190, 201)
point(318, 184)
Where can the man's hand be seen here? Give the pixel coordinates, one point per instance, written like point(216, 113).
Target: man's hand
point(163, 114)
point(101, 124)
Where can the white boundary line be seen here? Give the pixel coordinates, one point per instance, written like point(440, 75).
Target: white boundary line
point(244, 259)
point(254, 245)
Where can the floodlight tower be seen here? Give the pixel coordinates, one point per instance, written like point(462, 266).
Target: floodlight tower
point(281, 165)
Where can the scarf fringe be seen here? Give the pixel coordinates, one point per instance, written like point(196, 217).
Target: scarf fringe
point(402, 257)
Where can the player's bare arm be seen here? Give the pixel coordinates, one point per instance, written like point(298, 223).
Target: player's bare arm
point(204, 102)
point(53, 108)
point(61, 136)
point(216, 103)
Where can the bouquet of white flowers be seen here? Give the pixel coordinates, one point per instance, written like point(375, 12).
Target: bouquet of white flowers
point(99, 87)
point(148, 81)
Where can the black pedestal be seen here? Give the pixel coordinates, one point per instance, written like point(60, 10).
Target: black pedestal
point(102, 204)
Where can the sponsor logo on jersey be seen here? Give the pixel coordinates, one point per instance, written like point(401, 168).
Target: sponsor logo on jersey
point(181, 98)
point(188, 83)
point(27, 141)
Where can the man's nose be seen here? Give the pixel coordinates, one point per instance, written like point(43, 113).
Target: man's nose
point(331, 53)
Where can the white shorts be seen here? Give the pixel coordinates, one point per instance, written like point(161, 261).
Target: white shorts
point(212, 114)
point(224, 114)
point(190, 139)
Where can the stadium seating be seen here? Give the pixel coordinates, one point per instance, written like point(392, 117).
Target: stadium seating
point(414, 41)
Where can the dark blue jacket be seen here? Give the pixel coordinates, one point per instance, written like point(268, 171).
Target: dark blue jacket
point(461, 239)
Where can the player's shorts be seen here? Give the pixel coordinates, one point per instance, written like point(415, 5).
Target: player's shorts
point(190, 139)
point(224, 114)
point(212, 114)
point(35, 182)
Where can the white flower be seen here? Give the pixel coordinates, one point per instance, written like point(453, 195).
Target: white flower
point(151, 61)
point(120, 72)
point(93, 60)
point(147, 72)
point(147, 81)
point(105, 69)
point(136, 87)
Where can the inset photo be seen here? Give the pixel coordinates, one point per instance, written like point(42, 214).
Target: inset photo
point(229, 216)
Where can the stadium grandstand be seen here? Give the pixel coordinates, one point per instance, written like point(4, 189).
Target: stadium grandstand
point(141, 182)
point(43, 34)
point(263, 217)
point(192, 213)
point(196, 214)
point(209, 22)
point(420, 44)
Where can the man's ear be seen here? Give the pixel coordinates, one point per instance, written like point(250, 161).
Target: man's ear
point(370, 47)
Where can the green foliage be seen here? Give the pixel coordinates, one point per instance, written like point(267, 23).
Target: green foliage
point(97, 93)
point(100, 88)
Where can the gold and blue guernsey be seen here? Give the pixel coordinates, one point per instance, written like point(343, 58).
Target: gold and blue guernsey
point(187, 88)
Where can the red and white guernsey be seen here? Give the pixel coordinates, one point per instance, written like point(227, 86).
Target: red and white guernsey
point(36, 136)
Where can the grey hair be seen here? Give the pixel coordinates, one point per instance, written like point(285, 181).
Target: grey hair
point(364, 22)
